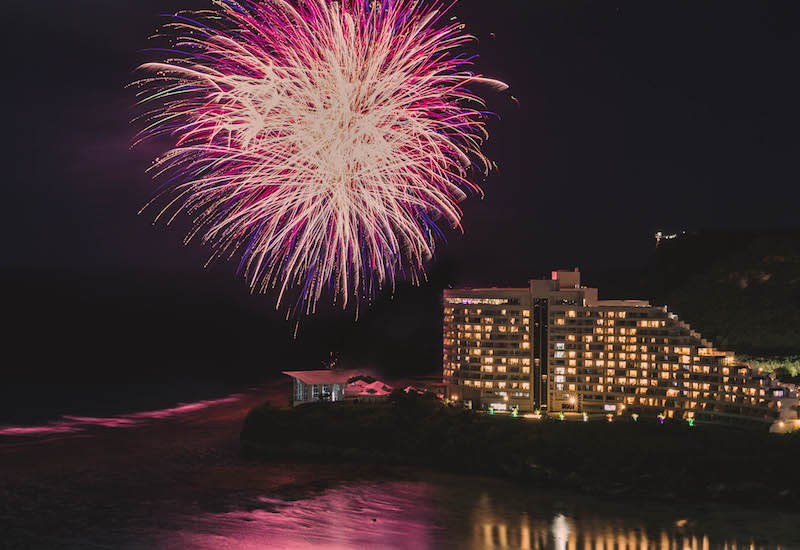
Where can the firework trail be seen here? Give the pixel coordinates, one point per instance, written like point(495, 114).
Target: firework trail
point(322, 142)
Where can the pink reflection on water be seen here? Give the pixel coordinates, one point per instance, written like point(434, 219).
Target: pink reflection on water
point(53, 428)
point(73, 424)
point(381, 516)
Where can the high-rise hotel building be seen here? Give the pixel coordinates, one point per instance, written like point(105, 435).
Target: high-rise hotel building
point(555, 347)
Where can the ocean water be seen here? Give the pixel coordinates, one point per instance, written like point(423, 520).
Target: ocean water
point(173, 479)
point(468, 513)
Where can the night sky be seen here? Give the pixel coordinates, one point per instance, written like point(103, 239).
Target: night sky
point(632, 117)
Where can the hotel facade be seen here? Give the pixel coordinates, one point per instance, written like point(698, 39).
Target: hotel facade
point(555, 348)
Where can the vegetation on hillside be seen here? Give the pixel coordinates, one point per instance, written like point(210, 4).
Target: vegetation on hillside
point(787, 369)
point(741, 290)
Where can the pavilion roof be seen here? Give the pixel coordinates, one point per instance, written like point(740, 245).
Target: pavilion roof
point(323, 376)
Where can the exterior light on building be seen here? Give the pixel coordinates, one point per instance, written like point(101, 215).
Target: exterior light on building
point(635, 417)
point(491, 410)
point(585, 417)
point(561, 416)
point(691, 422)
point(661, 418)
point(610, 417)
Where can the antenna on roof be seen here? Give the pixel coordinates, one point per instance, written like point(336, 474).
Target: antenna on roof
point(332, 361)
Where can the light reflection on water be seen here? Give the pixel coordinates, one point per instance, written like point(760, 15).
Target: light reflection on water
point(565, 533)
point(432, 515)
point(74, 424)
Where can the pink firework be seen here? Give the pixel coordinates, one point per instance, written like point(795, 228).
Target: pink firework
point(322, 142)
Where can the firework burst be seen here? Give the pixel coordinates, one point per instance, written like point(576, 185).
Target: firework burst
point(322, 142)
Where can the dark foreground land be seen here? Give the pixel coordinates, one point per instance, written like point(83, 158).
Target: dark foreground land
point(671, 461)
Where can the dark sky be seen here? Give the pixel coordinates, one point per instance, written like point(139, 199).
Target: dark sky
point(632, 117)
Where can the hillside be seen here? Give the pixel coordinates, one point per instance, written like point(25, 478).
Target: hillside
point(740, 289)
